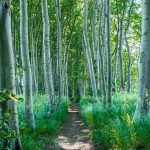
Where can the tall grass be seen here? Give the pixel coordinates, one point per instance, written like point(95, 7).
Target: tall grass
point(113, 128)
point(47, 126)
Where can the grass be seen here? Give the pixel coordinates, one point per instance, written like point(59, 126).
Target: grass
point(113, 128)
point(47, 127)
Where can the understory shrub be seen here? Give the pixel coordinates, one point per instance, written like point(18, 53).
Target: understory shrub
point(113, 128)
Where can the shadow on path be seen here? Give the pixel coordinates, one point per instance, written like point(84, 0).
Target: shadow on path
point(73, 135)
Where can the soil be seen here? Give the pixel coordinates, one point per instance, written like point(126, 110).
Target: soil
point(74, 135)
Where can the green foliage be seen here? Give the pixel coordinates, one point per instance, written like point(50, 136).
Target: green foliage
point(7, 95)
point(7, 133)
point(47, 126)
point(113, 128)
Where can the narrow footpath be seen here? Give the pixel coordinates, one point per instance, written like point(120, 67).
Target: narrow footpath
point(74, 135)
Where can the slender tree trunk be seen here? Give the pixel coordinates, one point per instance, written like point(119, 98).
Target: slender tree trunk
point(109, 54)
point(33, 65)
point(59, 48)
point(142, 106)
point(116, 58)
point(95, 29)
point(26, 64)
point(7, 68)
point(47, 55)
point(88, 49)
point(95, 45)
point(101, 54)
point(128, 49)
point(120, 50)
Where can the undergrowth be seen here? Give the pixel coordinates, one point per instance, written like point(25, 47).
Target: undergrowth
point(113, 128)
point(47, 126)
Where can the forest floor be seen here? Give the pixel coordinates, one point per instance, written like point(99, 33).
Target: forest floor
point(74, 135)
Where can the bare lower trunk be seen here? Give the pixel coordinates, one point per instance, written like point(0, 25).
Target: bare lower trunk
point(142, 106)
point(47, 56)
point(88, 49)
point(7, 68)
point(59, 49)
point(120, 50)
point(26, 64)
point(109, 55)
point(128, 50)
point(101, 54)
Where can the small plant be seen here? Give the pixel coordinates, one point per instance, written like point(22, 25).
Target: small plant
point(7, 134)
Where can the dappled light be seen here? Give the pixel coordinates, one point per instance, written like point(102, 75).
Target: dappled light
point(73, 136)
point(74, 74)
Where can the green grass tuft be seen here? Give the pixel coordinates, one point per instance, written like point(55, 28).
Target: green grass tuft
point(47, 127)
point(113, 128)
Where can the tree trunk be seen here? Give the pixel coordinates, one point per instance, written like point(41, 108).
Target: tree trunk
point(108, 54)
point(142, 106)
point(59, 49)
point(7, 68)
point(47, 55)
point(101, 54)
point(128, 50)
point(120, 50)
point(26, 64)
point(88, 49)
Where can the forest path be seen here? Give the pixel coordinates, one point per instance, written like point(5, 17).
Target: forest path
point(74, 135)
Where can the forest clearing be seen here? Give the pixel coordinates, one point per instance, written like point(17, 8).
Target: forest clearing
point(74, 75)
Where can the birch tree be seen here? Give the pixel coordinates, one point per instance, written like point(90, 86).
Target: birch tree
point(59, 49)
point(46, 55)
point(120, 48)
point(128, 48)
point(7, 70)
point(101, 53)
point(95, 43)
point(142, 106)
point(26, 64)
point(88, 49)
point(108, 53)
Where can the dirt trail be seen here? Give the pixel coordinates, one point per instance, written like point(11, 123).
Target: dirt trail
point(74, 134)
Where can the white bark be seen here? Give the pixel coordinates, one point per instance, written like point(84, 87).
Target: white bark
point(108, 55)
point(59, 48)
point(7, 68)
point(26, 64)
point(88, 49)
point(101, 54)
point(128, 49)
point(120, 49)
point(47, 55)
point(142, 107)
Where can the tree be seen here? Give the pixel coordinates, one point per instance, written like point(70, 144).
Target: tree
point(142, 106)
point(108, 53)
point(7, 72)
point(88, 49)
point(120, 47)
point(101, 54)
point(47, 56)
point(26, 64)
point(128, 49)
point(59, 49)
